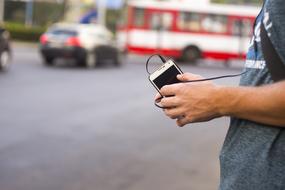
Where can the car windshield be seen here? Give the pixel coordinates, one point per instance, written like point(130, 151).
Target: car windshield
point(65, 32)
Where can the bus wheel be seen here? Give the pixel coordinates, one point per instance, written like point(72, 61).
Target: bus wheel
point(191, 54)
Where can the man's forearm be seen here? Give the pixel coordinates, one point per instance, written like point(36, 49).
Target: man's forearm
point(264, 104)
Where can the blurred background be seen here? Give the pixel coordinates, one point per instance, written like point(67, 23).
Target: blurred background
point(77, 108)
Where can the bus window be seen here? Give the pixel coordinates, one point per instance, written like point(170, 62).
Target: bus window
point(214, 23)
point(167, 20)
point(155, 21)
point(247, 27)
point(139, 17)
point(189, 21)
point(161, 21)
point(241, 27)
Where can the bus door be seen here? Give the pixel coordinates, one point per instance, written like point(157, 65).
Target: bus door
point(160, 24)
point(241, 29)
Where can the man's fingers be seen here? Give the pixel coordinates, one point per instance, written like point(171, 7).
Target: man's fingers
point(169, 102)
point(169, 90)
point(183, 121)
point(157, 97)
point(188, 76)
point(173, 113)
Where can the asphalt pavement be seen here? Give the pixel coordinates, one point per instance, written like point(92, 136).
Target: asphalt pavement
point(70, 128)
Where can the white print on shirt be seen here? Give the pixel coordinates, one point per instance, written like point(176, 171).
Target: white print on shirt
point(255, 64)
point(259, 64)
point(256, 36)
point(267, 22)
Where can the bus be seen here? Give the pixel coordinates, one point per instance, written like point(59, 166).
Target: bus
point(187, 31)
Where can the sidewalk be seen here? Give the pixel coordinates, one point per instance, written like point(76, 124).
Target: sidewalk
point(24, 44)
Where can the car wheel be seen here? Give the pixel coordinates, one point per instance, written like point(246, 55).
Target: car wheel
point(191, 54)
point(4, 60)
point(90, 60)
point(48, 61)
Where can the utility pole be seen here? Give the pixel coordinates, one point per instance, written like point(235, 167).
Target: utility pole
point(2, 4)
point(101, 9)
point(29, 12)
point(74, 10)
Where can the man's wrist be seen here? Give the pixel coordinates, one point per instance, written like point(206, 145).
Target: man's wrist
point(227, 100)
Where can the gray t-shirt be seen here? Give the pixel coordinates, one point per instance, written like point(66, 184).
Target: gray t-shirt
point(253, 154)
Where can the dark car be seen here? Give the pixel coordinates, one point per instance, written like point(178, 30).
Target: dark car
point(5, 50)
point(87, 44)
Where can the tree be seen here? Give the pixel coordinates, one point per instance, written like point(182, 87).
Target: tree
point(248, 2)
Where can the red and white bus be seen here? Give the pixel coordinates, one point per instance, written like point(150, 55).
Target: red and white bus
point(187, 31)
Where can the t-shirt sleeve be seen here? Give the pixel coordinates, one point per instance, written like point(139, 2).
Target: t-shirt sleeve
point(274, 21)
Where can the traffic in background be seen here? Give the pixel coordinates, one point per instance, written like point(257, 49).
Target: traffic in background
point(77, 110)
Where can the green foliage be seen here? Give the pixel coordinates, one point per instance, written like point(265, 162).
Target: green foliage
point(47, 13)
point(112, 19)
point(21, 32)
point(14, 11)
point(44, 13)
point(245, 2)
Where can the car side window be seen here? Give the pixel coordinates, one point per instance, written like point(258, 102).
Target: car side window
point(100, 35)
point(107, 35)
point(1, 30)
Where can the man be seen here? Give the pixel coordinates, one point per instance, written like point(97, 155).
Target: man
point(253, 154)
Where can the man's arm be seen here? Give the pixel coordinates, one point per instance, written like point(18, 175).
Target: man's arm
point(203, 101)
point(264, 104)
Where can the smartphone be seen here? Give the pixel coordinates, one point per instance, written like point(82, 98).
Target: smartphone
point(165, 75)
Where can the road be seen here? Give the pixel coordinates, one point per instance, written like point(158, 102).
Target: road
point(69, 128)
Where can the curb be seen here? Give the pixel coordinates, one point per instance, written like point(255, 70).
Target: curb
point(24, 44)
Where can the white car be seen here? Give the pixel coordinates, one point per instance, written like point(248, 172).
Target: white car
point(88, 44)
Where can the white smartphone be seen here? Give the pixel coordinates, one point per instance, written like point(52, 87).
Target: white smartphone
point(165, 75)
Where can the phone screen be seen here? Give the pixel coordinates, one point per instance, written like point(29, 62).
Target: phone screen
point(167, 77)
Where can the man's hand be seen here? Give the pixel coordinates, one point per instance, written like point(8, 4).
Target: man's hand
point(190, 102)
point(203, 101)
